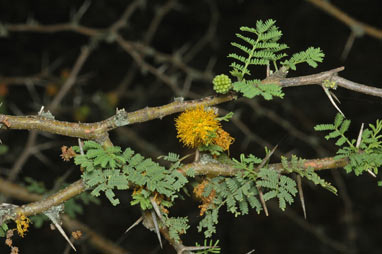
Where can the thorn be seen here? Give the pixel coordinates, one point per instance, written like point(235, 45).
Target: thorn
point(258, 188)
point(156, 228)
point(371, 173)
point(326, 90)
point(41, 110)
point(197, 155)
point(134, 224)
point(266, 158)
point(301, 194)
point(54, 216)
point(335, 97)
point(262, 201)
point(156, 208)
point(348, 46)
point(196, 248)
point(80, 146)
point(359, 137)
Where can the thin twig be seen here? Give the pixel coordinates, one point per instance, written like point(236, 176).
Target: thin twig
point(314, 230)
point(285, 124)
point(348, 216)
point(347, 19)
point(21, 160)
point(122, 21)
point(54, 28)
point(160, 13)
point(85, 52)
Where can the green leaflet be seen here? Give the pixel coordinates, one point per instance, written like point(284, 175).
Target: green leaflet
point(260, 46)
point(106, 170)
point(367, 156)
point(3, 229)
point(254, 88)
point(208, 223)
point(277, 186)
point(110, 169)
point(177, 226)
point(213, 247)
point(295, 166)
point(310, 56)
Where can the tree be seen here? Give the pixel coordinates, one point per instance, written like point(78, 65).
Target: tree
point(143, 169)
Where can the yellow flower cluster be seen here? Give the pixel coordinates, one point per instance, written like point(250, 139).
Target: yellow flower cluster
point(200, 127)
point(22, 223)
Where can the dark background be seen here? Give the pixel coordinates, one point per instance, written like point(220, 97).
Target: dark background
point(348, 223)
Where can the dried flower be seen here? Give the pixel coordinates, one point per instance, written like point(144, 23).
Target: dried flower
point(197, 126)
point(223, 139)
point(67, 153)
point(206, 201)
point(77, 234)
point(22, 223)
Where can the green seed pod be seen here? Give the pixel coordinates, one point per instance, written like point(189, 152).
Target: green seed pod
point(222, 83)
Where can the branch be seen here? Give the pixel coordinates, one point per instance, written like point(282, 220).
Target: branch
point(346, 19)
point(55, 199)
point(315, 230)
point(102, 244)
point(313, 79)
point(200, 169)
point(98, 130)
point(369, 90)
point(70, 81)
point(220, 169)
point(331, 75)
point(38, 28)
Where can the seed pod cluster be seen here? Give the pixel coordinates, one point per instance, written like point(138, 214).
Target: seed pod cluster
point(222, 83)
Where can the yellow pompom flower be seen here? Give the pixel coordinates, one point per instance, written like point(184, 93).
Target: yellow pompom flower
point(197, 127)
point(200, 126)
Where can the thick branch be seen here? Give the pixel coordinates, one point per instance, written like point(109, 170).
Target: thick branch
point(200, 169)
point(55, 199)
point(99, 129)
point(78, 187)
point(219, 169)
point(312, 79)
point(104, 245)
